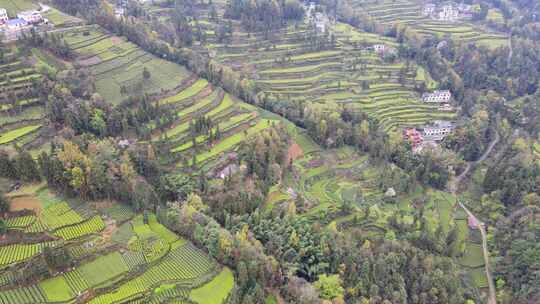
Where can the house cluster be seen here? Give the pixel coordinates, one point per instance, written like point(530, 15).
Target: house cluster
point(12, 28)
point(448, 11)
point(427, 136)
point(318, 19)
point(383, 49)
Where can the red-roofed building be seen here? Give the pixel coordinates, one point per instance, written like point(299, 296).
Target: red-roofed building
point(413, 136)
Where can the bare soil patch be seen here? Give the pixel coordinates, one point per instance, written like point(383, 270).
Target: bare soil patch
point(107, 233)
point(25, 203)
point(294, 152)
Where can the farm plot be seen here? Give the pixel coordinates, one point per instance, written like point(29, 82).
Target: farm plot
point(189, 92)
point(60, 215)
point(22, 295)
point(147, 256)
point(21, 113)
point(93, 225)
point(183, 264)
point(102, 269)
point(232, 141)
point(17, 134)
point(345, 74)
point(409, 12)
point(180, 130)
point(121, 68)
point(15, 6)
point(20, 222)
point(56, 289)
point(19, 252)
point(215, 291)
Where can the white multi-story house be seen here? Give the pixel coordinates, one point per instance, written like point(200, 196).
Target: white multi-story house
point(442, 96)
point(320, 22)
point(383, 49)
point(439, 130)
point(379, 48)
point(428, 9)
point(3, 16)
point(448, 13)
point(30, 17)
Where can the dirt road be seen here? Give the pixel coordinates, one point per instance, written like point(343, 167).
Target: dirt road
point(453, 186)
point(491, 297)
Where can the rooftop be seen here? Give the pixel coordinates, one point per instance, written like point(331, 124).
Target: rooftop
point(16, 21)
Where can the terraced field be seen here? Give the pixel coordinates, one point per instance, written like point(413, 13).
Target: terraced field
point(409, 12)
point(230, 122)
point(118, 65)
point(21, 112)
point(287, 66)
point(153, 266)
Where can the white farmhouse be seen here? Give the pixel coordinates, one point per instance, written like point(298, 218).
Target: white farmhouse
point(442, 96)
point(379, 48)
point(30, 17)
point(428, 9)
point(320, 20)
point(448, 13)
point(439, 130)
point(382, 49)
point(119, 12)
point(3, 16)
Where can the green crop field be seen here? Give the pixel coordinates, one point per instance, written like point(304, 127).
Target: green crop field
point(216, 290)
point(93, 225)
point(118, 65)
point(112, 273)
point(21, 112)
point(286, 68)
point(231, 141)
point(186, 93)
point(18, 252)
point(409, 12)
point(15, 134)
point(56, 289)
point(473, 256)
point(160, 230)
point(58, 18)
point(183, 262)
point(60, 215)
point(20, 221)
point(15, 6)
point(23, 295)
